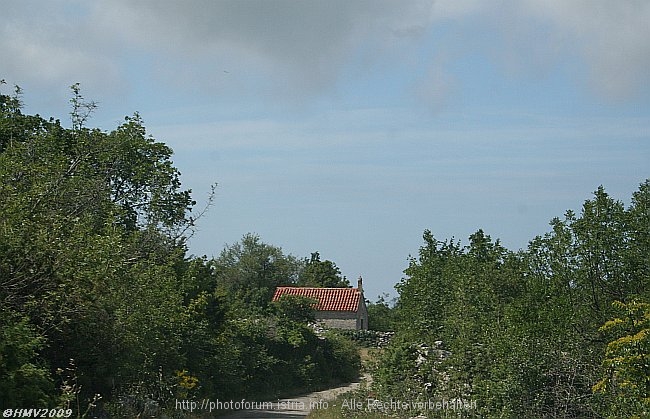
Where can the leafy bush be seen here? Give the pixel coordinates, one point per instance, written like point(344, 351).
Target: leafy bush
point(93, 256)
point(25, 380)
point(523, 329)
point(625, 388)
point(342, 358)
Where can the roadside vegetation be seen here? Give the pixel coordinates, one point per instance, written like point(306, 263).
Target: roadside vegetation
point(104, 311)
point(560, 329)
point(102, 308)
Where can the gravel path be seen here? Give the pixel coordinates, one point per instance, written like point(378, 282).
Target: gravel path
point(294, 407)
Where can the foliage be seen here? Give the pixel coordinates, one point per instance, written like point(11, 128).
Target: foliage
point(381, 316)
point(627, 361)
point(91, 233)
point(520, 331)
point(24, 380)
point(343, 360)
point(94, 268)
point(321, 273)
point(250, 270)
point(295, 308)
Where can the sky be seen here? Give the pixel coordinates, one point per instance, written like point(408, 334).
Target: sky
point(348, 127)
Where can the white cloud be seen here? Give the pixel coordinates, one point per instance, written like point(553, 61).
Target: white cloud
point(613, 36)
point(301, 45)
point(49, 46)
point(302, 48)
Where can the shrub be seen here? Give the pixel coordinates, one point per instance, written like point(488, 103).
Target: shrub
point(344, 360)
point(24, 378)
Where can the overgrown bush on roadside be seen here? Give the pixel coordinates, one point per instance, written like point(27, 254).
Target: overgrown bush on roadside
point(24, 379)
point(94, 267)
point(342, 360)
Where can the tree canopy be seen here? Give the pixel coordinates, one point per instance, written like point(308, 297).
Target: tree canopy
point(102, 308)
point(556, 330)
point(321, 273)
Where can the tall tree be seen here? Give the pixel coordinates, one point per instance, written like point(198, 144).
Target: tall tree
point(523, 329)
point(250, 270)
point(321, 273)
point(381, 315)
point(91, 234)
point(427, 289)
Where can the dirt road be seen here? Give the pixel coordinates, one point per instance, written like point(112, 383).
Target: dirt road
point(293, 407)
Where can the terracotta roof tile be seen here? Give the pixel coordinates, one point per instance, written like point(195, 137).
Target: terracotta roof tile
point(329, 299)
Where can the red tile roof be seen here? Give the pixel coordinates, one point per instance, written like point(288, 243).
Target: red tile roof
point(329, 299)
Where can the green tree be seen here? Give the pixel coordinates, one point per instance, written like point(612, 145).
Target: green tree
point(522, 328)
point(94, 268)
point(626, 384)
point(321, 273)
point(295, 308)
point(637, 256)
point(381, 316)
point(92, 230)
point(25, 379)
point(250, 270)
point(426, 290)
